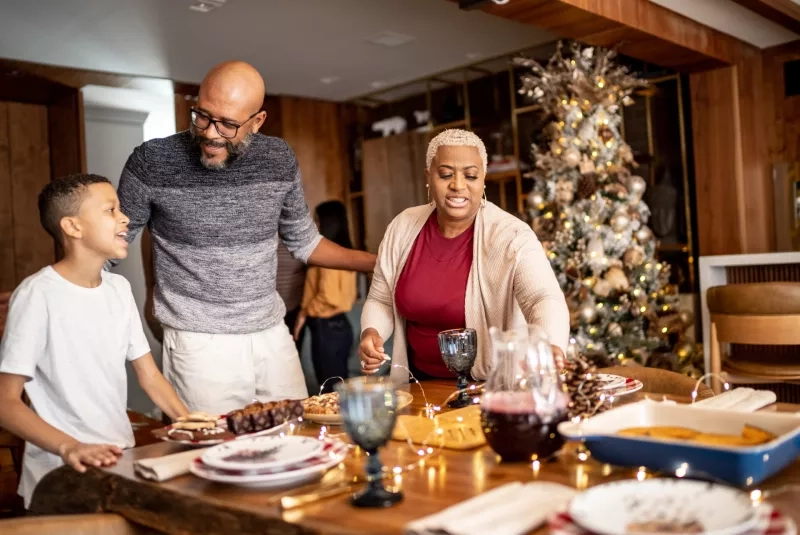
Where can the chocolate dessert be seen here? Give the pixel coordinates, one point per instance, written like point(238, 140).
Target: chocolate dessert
point(259, 416)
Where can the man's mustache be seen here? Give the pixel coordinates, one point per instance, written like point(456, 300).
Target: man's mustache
point(216, 144)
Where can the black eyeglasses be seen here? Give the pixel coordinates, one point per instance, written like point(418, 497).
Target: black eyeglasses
point(224, 128)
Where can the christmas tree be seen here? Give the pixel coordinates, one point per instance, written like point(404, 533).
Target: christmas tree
point(587, 210)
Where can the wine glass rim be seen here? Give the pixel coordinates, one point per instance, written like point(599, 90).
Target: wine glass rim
point(364, 382)
point(460, 331)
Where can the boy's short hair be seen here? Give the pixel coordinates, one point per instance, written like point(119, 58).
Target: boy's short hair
point(62, 198)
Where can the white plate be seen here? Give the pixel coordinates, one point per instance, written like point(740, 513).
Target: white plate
point(626, 388)
point(611, 381)
point(611, 509)
point(304, 472)
point(404, 399)
point(262, 452)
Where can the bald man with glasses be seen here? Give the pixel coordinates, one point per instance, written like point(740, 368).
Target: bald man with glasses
point(217, 199)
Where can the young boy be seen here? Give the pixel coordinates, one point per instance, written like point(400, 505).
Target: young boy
point(70, 329)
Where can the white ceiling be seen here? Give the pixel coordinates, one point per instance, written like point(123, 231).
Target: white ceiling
point(298, 45)
point(731, 18)
point(293, 43)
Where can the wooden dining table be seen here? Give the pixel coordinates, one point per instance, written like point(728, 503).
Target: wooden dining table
point(188, 504)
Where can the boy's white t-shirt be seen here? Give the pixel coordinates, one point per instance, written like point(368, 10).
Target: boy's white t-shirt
point(72, 343)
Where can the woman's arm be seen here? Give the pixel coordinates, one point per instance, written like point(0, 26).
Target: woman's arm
point(377, 316)
point(538, 293)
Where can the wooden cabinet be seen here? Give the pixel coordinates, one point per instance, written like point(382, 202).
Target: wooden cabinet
point(393, 178)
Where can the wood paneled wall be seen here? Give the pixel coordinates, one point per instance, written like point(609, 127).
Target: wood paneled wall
point(732, 168)
point(24, 170)
point(313, 128)
point(183, 105)
point(782, 113)
point(394, 179)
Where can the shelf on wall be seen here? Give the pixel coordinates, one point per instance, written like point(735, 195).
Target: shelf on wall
point(682, 247)
point(502, 175)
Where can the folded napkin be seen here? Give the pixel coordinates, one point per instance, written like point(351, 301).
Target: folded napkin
point(167, 467)
point(512, 509)
point(739, 399)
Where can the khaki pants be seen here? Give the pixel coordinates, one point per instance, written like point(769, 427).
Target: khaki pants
point(218, 373)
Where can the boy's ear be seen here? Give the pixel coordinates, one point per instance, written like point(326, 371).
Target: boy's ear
point(71, 227)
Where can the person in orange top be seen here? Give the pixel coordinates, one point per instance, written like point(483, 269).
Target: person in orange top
point(328, 296)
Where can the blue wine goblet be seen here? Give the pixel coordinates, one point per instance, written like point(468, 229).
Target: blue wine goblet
point(459, 348)
point(369, 411)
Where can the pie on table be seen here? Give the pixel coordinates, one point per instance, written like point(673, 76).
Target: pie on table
point(322, 404)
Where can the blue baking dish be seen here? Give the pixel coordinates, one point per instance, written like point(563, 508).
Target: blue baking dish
point(740, 466)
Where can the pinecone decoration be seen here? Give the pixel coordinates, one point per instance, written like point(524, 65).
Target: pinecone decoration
point(587, 186)
point(584, 389)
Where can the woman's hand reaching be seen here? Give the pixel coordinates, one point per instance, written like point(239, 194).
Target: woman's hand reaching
point(371, 352)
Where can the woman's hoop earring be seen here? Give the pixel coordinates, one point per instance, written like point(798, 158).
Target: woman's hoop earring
point(428, 190)
point(485, 200)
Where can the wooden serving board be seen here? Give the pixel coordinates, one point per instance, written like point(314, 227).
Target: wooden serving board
point(460, 429)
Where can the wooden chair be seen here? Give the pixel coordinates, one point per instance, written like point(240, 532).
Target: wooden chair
point(757, 314)
point(661, 381)
point(93, 524)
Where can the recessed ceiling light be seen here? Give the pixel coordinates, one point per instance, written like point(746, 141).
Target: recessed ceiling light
point(206, 6)
point(377, 84)
point(329, 79)
point(391, 39)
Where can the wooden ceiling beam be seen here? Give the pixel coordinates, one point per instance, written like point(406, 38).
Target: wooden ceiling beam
point(639, 28)
point(783, 12)
point(77, 78)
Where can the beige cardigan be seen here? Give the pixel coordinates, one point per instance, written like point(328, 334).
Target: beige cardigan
point(510, 283)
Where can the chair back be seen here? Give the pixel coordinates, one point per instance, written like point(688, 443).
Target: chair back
point(661, 381)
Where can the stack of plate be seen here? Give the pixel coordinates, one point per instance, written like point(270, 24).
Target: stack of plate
point(269, 461)
point(658, 506)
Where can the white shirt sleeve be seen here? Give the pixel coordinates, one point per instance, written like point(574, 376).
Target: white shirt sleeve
point(25, 336)
point(138, 346)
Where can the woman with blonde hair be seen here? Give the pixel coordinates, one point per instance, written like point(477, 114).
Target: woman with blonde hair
point(456, 262)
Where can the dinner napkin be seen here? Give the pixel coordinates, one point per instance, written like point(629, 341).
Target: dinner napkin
point(512, 509)
point(739, 399)
point(168, 466)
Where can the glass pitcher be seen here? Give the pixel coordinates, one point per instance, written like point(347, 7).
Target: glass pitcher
point(523, 401)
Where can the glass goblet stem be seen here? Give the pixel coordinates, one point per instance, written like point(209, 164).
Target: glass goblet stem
point(374, 469)
point(375, 494)
point(463, 398)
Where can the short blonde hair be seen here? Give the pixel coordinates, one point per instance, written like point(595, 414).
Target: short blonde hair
point(455, 137)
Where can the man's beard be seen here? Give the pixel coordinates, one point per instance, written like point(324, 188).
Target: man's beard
point(234, 149)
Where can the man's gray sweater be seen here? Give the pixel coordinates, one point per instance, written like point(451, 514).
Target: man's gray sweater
point(215, 232)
